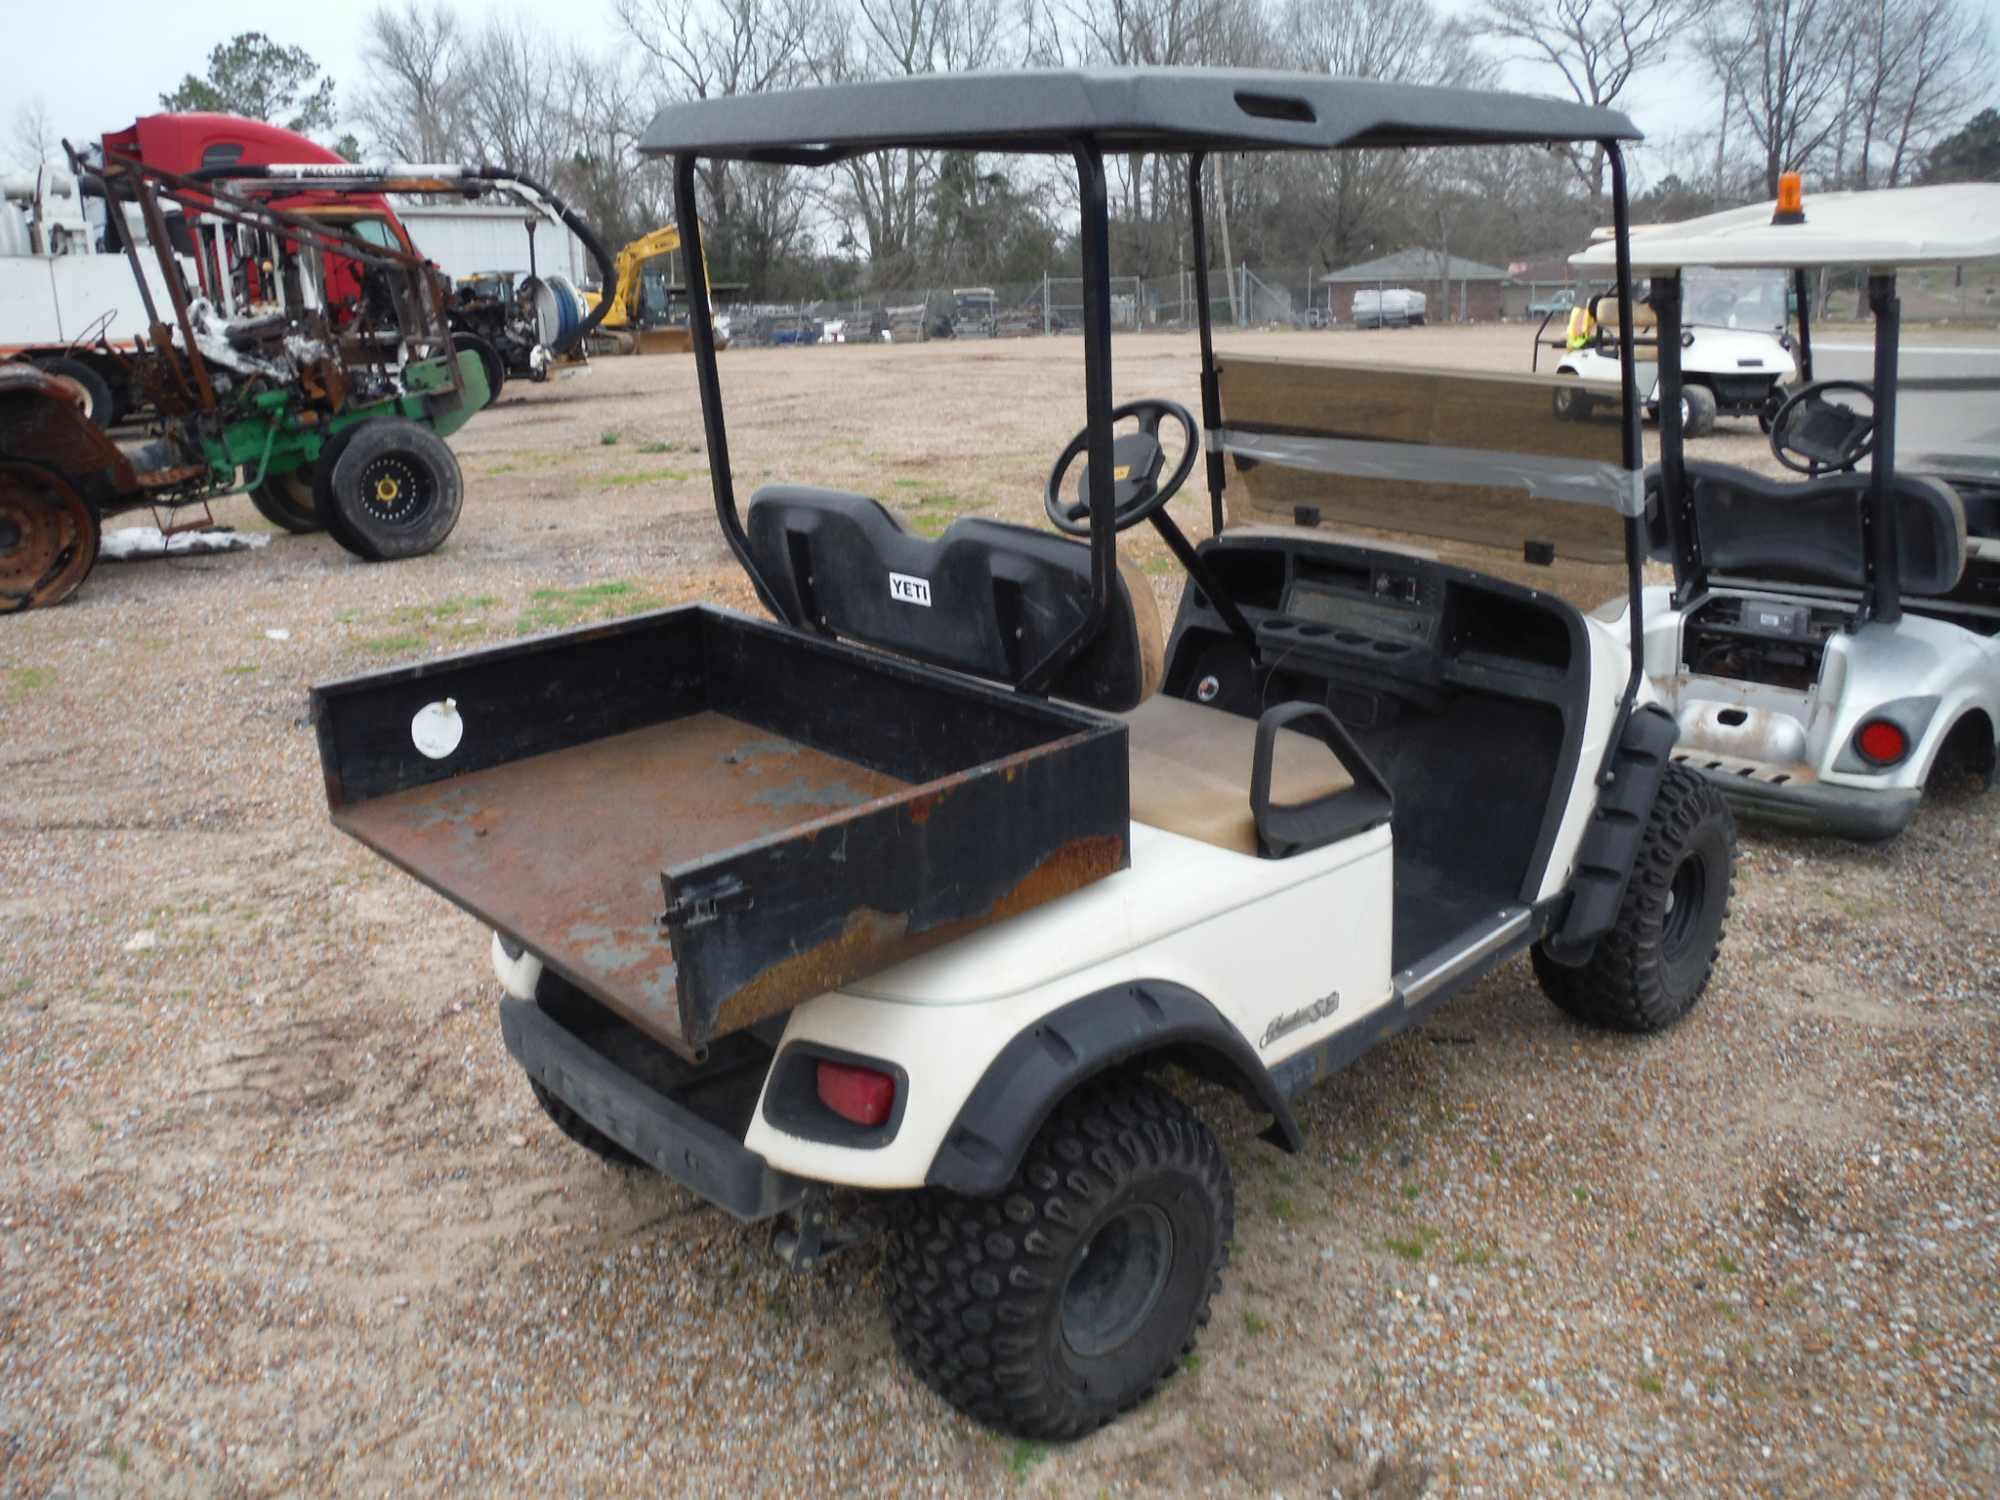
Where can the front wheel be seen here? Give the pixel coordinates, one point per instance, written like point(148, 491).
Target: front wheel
point(1697, 411)
point(1047, 1311)
point(1652, 966)
point(395, 490)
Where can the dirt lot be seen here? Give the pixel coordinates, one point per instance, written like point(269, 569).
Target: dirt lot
point(278, 1215)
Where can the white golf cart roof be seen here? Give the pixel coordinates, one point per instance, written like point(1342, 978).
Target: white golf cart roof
point(1918, 226)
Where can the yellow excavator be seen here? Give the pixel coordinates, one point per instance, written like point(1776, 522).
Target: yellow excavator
point(624, 330)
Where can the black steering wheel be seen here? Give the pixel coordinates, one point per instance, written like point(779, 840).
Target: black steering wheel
point(1136, 461)
point(1812, 436)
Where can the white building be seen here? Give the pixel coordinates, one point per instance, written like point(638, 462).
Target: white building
point(464, 238)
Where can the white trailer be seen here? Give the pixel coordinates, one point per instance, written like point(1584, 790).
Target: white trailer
point(61, 298)
point(464, 239)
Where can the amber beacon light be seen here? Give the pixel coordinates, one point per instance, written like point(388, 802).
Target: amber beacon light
point(1791, 200)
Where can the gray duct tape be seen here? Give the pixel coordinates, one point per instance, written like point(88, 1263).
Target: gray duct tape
point(1583, 481)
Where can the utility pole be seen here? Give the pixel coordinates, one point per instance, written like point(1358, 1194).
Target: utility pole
point(1228, 278)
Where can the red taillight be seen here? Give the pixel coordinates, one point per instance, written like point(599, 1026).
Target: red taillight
point(1881, 742)
point(862, 1095)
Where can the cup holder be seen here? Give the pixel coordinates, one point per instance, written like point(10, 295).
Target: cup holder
point(1390, 648)
point(1315, 631)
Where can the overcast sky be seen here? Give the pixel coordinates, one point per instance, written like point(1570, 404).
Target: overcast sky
point(142, 48)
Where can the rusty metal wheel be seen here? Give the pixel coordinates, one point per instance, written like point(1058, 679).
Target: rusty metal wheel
point(48, 538)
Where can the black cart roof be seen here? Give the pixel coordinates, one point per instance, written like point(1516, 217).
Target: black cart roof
point(1120, 110)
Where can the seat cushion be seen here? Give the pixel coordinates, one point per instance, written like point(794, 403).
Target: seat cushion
point(987, 597)
point(1812, 531)
point(1191, 771)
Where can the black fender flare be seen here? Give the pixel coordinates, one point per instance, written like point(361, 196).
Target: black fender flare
point(1148, 1019)
point(1610, 843)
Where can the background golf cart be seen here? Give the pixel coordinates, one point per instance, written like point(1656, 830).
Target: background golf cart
point(1736, 350)
point(1831, 641)
point(919, 961)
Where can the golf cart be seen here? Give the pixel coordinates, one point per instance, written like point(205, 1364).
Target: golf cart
point(1831, 640)
point(1735, 350)
point(916, 890)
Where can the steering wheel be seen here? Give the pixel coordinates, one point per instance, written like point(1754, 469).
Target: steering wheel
point(1813, 436)
point(1136, 461)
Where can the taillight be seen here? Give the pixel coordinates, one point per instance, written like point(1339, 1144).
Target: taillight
point(1881, 743)
point(863, 1095)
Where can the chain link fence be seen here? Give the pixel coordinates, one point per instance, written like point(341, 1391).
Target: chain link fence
point(1249, 298)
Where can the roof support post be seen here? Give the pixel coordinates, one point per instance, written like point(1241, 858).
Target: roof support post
point(1096, 227)
point(1888, 584)
point(701, 329)
point(1632, 449)
point(1666, 303)
point(1211, 394)
point(1802, 290)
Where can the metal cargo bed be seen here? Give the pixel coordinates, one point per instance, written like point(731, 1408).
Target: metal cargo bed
point(702, 819)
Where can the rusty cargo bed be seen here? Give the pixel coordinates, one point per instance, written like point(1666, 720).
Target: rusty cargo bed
point(703, 819)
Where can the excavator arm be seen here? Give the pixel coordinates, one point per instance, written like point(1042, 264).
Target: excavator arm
point(629, 282)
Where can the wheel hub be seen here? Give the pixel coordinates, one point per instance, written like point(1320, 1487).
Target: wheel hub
point(1119, 1278)
point(1682, 914)
point(396, 490)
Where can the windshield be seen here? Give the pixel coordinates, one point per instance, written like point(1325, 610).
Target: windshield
point(376, 232)
point(1518, 475)
point(1757, 300)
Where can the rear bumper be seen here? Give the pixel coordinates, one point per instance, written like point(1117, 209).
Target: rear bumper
point(1816, 807)
point(654, 1127)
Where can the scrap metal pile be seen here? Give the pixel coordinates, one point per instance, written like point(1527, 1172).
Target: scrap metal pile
point(295, 359)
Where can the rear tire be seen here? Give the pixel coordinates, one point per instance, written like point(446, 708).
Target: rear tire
point(287, 500)
point(1697, 411)
point(102, 404)
point(48, 537)
point(1049, 1310)
point(1651, 968)
point(489, 361)
point(395, 491)
point(580, 1130)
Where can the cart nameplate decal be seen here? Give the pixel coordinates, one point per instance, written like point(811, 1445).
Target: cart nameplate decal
point(1305, 1015)
point(910, 590)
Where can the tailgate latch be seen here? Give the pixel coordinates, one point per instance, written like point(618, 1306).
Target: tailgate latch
point(696, 904)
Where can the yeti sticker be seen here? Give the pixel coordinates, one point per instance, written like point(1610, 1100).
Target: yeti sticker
point(907, 590)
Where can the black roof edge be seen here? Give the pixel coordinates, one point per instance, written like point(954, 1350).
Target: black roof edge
point(1054, 111)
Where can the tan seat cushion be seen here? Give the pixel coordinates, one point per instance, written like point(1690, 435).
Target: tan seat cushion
point(1191, 771)
point(1644, 319)
point(1146, 623)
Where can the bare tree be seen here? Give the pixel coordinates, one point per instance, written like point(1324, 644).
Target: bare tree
point(1942, 65)
point(1353, 200)
point(889, 190)
point(1598, 46)
point(711, 49)
point(415, 100)
point(1785, 60)
point(34, 134)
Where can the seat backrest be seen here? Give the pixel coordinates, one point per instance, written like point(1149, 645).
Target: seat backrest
point(1812, 532)
point(1605, 311)
point(987, 598)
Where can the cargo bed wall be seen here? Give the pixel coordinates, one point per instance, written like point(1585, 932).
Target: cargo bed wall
point(703, 820)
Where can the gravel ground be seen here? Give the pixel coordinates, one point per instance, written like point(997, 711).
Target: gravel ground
point(278, 1216)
